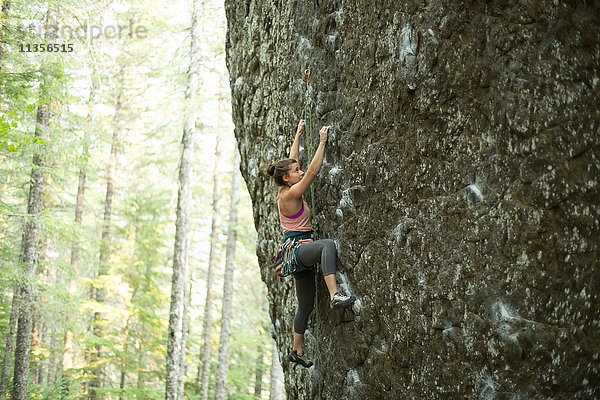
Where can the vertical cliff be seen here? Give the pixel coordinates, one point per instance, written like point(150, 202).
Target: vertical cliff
point(460, 184)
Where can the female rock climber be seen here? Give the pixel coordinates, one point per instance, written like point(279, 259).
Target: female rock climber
point(294, 216)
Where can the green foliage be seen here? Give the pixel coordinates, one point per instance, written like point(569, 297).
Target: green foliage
point(12, 140)
point(62, 389)
point(130, 393)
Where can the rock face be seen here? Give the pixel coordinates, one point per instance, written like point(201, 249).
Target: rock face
point(460, 184)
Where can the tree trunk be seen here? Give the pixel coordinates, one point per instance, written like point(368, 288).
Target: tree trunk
point(31, 236)
point(178, 282)
point(176, 336)
point(204, 368)
point(100, 294)
point(9, 350)
point(140, 374)
point(124, 357)
point(78, 213)
point(260, 368)
point(185, 330)
point(52, 362)
point(41, 332)
point(3, 17)
point(185, 324)
point(276, 376)
point(4, 186)
point(68, 355)
point(223, 364)
point(136, 286)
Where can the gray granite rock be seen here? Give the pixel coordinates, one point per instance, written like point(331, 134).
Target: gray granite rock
point(460, 184)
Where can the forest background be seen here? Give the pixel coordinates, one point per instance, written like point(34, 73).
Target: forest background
point(95, 97)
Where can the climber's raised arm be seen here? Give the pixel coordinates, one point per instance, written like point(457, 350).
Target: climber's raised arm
point(295, 151)
point(299, 188)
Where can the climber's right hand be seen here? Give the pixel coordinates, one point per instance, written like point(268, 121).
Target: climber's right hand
point(323, 134)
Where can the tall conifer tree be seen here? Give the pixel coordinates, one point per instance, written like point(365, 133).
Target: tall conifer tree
point(223, 364)
point(31, 232)
point(105, 245)
point(176, 339)
point(203, 377)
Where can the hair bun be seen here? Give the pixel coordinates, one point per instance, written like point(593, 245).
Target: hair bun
point(271, 169)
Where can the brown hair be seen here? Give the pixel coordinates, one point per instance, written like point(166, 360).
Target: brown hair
point(280, 169)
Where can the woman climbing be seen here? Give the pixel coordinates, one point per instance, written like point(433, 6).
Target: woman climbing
point(294, 215)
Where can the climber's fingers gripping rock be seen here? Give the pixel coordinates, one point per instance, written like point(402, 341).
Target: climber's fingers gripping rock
point(300, 127)
point(323, 133)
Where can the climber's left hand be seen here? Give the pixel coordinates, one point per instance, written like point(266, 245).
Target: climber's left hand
point(300, 127)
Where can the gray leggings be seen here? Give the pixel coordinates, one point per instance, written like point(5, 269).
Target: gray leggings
point(309, 254)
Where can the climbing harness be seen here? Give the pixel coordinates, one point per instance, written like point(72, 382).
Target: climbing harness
point(286, 260)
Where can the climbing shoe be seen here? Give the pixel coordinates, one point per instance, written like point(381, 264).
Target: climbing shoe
point(340, 300)
point(302, 360)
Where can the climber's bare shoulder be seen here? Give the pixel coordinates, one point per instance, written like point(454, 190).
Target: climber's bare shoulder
point(289, 202)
